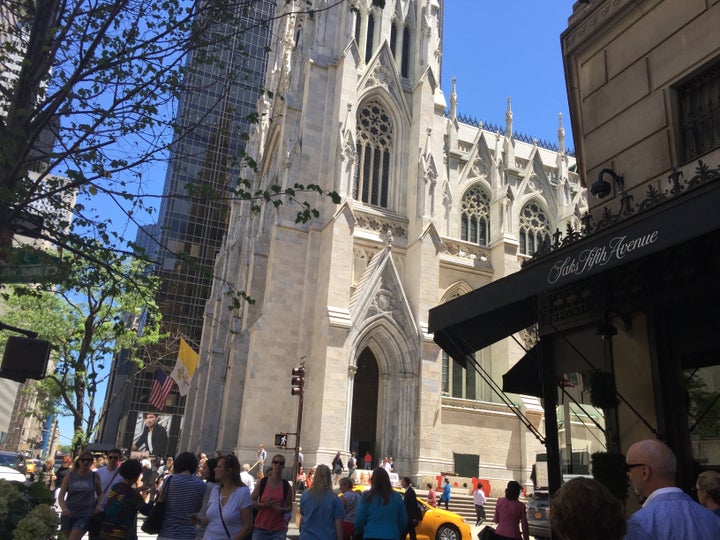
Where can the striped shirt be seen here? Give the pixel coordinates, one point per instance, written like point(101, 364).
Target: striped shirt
point(183, 496)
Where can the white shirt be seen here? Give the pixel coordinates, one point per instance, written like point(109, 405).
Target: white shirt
point(248, 480)
point(479, 497)
point(107, 482)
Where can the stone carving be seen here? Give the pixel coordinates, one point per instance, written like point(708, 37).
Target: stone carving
point(380, 225)
point(380, 76)
point(458, 248)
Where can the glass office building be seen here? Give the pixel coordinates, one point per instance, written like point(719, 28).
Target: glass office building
point(213, 120)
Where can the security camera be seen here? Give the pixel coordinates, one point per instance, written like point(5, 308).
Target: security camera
point(601, 188)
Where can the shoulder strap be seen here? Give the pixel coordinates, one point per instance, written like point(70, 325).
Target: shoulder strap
point(117, 470)
point(221, 514)
point(286, 489)
point(261, 488)
point(166, 490)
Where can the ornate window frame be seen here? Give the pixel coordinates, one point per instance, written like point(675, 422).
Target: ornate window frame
point(534, 228)
point(375, 133)
point(475, 216)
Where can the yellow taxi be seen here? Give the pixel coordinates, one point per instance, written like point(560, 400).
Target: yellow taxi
point(439, 524)
point(436, 524)
point(31, 468)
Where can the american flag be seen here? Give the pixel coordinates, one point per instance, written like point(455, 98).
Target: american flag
point(161, 386)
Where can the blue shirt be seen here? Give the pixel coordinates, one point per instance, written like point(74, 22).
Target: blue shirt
point(374, 519)
point(183, 496)
point(672, 515)
point(319, 515)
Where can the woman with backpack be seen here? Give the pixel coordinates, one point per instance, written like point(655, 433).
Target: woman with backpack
point(273, 500)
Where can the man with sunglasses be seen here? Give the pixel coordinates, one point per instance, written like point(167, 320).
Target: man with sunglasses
point(667, 512)
point(108, 478)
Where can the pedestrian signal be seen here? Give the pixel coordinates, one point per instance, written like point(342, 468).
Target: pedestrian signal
point(281, 440)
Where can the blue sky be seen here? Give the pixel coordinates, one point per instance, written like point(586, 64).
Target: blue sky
point(504, 49)
point(495, 50)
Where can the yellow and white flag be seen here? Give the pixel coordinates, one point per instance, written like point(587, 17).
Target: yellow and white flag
point(185, 366)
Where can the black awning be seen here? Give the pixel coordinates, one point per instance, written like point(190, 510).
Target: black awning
point(525, 377)
point(486, 315)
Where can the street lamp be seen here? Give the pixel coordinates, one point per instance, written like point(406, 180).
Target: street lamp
point(297, 388)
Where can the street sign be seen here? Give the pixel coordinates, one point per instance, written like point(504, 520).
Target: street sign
point(28, 265)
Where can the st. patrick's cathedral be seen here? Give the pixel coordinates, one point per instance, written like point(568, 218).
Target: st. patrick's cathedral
point(433, 206)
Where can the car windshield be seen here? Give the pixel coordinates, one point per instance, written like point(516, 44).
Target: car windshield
point(8, 460)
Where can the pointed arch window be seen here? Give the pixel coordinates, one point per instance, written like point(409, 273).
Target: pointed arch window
point(475, 216)
point(406, 50)
point(358, 22)
point(534, 228)
point(369, 37)
point(393, 39)
point(374, 151)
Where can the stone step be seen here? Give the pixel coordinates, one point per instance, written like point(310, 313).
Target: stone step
point(460, 504)
point(463, 505)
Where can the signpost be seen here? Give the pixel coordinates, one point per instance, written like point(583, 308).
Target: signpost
point(28, 265)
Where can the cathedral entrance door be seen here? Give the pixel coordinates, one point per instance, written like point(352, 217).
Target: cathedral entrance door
point(363, 428)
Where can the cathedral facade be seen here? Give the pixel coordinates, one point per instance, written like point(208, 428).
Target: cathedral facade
point(432, 206)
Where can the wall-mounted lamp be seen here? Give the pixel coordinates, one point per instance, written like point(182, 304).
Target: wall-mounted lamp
point(607, 330)
point(602, 188)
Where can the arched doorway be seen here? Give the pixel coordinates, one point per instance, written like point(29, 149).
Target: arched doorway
point(363, 427)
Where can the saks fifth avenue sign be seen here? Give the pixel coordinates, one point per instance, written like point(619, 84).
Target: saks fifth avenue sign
point(613, 250)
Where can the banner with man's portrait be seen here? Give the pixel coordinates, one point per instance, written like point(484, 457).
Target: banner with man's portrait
point(151, 435)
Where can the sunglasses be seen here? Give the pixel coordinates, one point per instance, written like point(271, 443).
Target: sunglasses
point(86, 459)
point(278, 463)
point(113, 457)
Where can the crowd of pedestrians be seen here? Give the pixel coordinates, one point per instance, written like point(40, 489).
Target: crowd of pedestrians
point(218, 498)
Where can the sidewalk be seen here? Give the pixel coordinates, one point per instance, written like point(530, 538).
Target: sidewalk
point(294, 533)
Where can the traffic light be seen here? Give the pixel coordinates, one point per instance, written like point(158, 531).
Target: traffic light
point(297, 381)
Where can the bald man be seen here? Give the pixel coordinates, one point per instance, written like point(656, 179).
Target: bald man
point(667, 513)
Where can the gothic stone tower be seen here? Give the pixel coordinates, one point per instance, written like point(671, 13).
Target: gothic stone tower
point(432, 207)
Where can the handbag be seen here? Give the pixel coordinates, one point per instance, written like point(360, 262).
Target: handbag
point(153, 522)
point(487, 533)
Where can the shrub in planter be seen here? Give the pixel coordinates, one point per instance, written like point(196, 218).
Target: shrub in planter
point(41, 523)
point(17, 502)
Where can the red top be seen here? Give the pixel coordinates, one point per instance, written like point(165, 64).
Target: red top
point(268, 518)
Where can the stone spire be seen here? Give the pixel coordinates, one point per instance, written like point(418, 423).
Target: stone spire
point(508, 147)
point(508, 120)
point(453, 101)
point(561, 158)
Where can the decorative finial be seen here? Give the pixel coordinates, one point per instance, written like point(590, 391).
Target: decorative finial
point(508, 120)
point(453, 100)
